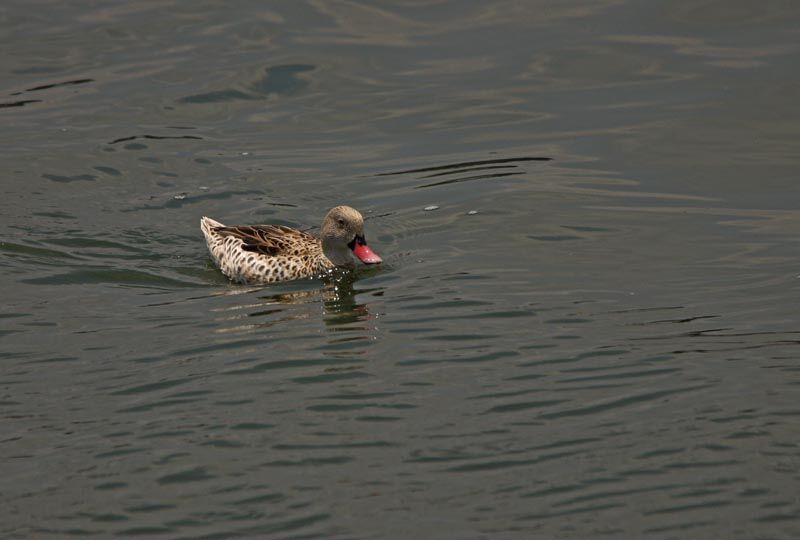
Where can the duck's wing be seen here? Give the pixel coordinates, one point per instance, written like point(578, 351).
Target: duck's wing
point(270, 239)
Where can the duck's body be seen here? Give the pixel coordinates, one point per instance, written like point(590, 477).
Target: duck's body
point(263, 253)
point(259, 254)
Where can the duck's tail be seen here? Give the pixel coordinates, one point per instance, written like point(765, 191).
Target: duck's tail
point(213, 239)
point(207, 225)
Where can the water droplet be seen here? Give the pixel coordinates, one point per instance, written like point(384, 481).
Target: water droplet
point(472, 212)
point(431, 208)
point(180, 197)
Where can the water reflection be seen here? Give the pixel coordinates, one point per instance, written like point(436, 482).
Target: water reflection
point(337, 298)
point(340, 305)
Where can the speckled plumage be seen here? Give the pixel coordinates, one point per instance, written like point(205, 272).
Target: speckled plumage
point(263, 253)
point(259, 254)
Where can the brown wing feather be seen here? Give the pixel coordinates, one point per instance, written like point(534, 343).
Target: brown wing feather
point(270, 239)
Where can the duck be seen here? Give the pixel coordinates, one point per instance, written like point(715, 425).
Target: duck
point(261, 254)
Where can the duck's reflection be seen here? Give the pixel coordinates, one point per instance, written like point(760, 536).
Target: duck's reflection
point(337, 298)
point(339, 302)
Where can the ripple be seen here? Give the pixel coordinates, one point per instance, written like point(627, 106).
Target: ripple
point(126, 277)
point(531, 361)
point(625, 401)
point(278, 80)
point(468, 165)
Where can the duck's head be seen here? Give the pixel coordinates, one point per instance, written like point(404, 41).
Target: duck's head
point(343, 236)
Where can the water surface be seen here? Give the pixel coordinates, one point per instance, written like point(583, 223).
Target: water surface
point(590, 333)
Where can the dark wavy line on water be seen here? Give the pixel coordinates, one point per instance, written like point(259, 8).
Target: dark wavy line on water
point(470, 169)
point(657, 308)
point(742, 334)
point(54, 85)
point(692, 334)
point(675, 321)
point(385, 214)
point(466, 164)
point(20, 103)
point(625, 401)
point(499, 464)
point(154, 137)
point(467, 179)
point(719, 333)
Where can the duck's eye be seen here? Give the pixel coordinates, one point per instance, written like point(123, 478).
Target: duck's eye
point(341, 222)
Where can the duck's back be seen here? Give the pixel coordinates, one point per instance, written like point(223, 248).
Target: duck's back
point(263, 253)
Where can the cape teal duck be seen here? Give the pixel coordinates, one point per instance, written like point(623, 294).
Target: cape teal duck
point(258, 254)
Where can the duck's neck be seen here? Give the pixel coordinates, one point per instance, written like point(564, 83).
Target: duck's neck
point(338, 254)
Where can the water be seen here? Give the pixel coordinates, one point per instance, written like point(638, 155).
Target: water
point(585, 326)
